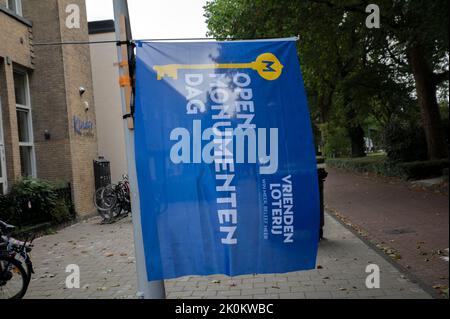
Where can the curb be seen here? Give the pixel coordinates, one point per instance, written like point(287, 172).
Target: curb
point(403, 270)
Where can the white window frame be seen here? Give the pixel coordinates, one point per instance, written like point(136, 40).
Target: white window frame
point(27, 108)
point(18, 9)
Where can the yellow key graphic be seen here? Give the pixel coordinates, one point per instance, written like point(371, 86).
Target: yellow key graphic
point(267, 65)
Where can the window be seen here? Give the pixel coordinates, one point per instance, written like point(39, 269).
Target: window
point(26, 161)
point(15, 6)
point(20, 89)
point(24, 124)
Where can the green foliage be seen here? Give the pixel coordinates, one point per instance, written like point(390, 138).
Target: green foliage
point(373, 164)
point(445, 172)
point(380, 165)
point(351, 73)
point(61, 212)
point(424, 169)
point(404, 140)
point(33, 201)
point(337, 143)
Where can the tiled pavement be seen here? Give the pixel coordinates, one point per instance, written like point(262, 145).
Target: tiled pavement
point(105, 256)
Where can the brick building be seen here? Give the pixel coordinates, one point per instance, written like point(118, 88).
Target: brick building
point(47, 118)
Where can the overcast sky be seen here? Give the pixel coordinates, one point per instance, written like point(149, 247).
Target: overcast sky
point(157, 18)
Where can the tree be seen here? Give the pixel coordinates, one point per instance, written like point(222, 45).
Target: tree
point(336, 48)
point(414, 35)
point(330, 48)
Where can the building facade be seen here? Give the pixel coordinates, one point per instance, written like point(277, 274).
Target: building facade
point(47, 127)
point(108, 107)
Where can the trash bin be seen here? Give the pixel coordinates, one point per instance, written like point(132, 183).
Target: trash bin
point(102, 173)
point(322, 175)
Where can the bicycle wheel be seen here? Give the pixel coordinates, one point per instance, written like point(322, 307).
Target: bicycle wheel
point(117, 210)
point(27, 265)
point(105, 198)
point(13, 278)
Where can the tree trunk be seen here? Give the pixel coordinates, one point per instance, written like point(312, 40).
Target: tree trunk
point(429, 108)
point(356, 135)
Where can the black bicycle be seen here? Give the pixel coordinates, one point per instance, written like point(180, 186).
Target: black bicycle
point(113, 201)
point(14, 254)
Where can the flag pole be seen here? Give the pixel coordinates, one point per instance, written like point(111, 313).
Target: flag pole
point(146, 289)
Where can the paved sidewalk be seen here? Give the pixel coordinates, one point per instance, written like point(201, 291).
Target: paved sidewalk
point(410, 225)
point(105, 256)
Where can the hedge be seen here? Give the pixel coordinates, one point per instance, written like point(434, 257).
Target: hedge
point(424, 169)
point(32, 201)
point(381, 166)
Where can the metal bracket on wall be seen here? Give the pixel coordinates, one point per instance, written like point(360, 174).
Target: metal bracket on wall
point(125, 80)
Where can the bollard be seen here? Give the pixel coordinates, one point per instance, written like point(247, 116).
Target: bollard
point(322, 175)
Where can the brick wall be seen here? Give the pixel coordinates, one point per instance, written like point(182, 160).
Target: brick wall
point(48, 94)
point(59, 73)
point(77, 65)
point(15, 40)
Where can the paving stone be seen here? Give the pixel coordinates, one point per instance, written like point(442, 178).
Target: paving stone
point(278, 290)
point(318, 295)
point(116, 274)
point(267, 296)
point(254, 291)
point(229, 293)
point(293, 295)
point(253, 280)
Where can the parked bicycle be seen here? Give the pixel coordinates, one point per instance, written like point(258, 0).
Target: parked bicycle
point(113, 201)
point(16, 267)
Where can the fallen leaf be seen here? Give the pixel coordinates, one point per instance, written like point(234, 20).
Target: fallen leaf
point(395, 256)
point(437, 287)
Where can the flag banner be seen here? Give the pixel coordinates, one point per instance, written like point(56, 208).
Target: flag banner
point(225, 159)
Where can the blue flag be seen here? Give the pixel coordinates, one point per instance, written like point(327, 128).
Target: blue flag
point(225, 159)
